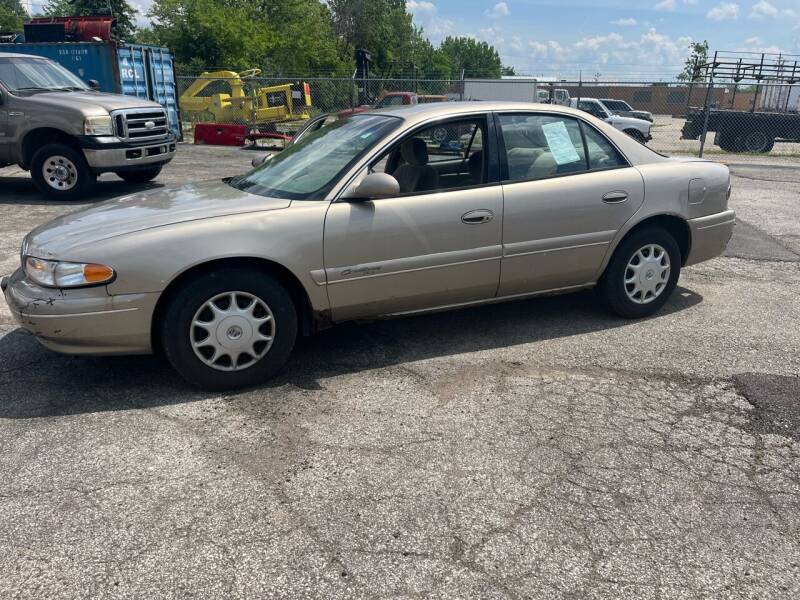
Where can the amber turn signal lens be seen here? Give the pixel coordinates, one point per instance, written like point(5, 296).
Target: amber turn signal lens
point(94, 273)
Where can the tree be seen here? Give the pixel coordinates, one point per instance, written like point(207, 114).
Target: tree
point(698, 56)
point(281, 37)
point(477, 59)
point(508, 70)
point(381, 26)
point(12, 16)
point(121, 10)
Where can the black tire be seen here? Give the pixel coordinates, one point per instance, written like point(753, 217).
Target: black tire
point(176, 329)
point(612, 286)
point(636, 134)
point(730, 142)
point(758, 141)
point(52, 157)
point(142, 175)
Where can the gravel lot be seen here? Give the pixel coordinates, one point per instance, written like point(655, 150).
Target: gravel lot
point(534, 449)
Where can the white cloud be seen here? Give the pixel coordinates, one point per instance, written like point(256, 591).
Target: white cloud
point(415, 7)
point(629, 22)
point(650, 48)
point(666, 5)
point(763, 9)
point(499, 10)
point(723, 11)
point(426, 16)
point(752, 41)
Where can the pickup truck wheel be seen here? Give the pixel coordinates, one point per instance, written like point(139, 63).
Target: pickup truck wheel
point(61, 172)
point(758, 141)
point(228, 329)
point(140, 175)
point(642, 274)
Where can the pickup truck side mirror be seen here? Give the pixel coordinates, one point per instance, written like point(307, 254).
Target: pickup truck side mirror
point(94, 84)
point(373, 187)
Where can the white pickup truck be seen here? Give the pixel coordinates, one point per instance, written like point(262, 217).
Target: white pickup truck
point(638, 129)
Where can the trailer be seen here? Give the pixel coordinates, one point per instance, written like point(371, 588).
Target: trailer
point(507, 89)
point(774, 115)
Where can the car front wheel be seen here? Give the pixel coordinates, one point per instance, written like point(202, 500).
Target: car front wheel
point(642, 274)
point(61, 172)
point(229, 329)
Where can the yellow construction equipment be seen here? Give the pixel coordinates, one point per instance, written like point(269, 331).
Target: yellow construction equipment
point(245, 103)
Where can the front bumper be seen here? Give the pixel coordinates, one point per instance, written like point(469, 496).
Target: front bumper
point(81, 321)
point(125, 156)
point(710, 235)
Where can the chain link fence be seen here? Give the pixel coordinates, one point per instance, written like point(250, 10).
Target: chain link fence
point(714, 120)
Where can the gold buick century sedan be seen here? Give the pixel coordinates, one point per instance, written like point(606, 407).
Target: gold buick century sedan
point(386, 213)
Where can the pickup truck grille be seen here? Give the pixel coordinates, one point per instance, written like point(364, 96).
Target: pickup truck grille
point(141, 124)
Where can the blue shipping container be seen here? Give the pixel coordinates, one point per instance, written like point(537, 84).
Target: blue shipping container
point(130, 69)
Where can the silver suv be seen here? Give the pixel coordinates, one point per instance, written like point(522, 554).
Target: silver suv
point(66, 133)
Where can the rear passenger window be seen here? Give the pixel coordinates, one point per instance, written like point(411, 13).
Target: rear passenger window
point(602, 155)
point(541, 146)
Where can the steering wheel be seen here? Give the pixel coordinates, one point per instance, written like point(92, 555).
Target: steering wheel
point(249, 73)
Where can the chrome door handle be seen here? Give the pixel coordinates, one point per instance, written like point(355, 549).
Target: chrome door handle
point(615, 197)
point(476, 217)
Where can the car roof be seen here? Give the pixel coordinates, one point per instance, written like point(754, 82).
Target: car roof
point(18, 55)
point(422, 112)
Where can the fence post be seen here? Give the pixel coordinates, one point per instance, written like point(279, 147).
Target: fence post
point(706, 111)
point(352, 87)
point(461, 87)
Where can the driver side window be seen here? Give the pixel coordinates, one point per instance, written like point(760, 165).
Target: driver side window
point(440, 157)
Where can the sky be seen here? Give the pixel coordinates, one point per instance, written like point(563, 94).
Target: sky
point(623, 39)
point(646, 39)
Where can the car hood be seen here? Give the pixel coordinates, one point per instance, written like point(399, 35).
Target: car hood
point(630, 121)
point(145, 210)
point(87, 101)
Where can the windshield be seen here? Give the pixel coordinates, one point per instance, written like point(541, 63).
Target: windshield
point(395, 100)
point(20, 74)
point(616, 105)
point(309, 169)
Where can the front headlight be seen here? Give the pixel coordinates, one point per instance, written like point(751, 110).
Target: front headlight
point(98, 125)
point(59, 274)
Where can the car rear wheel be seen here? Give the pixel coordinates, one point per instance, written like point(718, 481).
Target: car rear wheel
point(229, 329)
point(642, 274)
point(140, 175)
point(61, 172)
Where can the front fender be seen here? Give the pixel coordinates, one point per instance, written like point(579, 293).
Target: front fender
point(148, 261)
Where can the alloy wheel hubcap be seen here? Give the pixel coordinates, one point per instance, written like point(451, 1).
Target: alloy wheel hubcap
point(60, 173)
point(647, 274)
point(232, 331)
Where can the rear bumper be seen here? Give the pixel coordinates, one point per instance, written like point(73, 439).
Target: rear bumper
point(710, 236)
point(85, 321)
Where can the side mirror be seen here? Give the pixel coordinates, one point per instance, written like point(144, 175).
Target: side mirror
point(94, 84)
point(261, 159)
point(374, 186)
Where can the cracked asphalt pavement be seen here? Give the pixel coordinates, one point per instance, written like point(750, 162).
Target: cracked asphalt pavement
point(537, 449)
